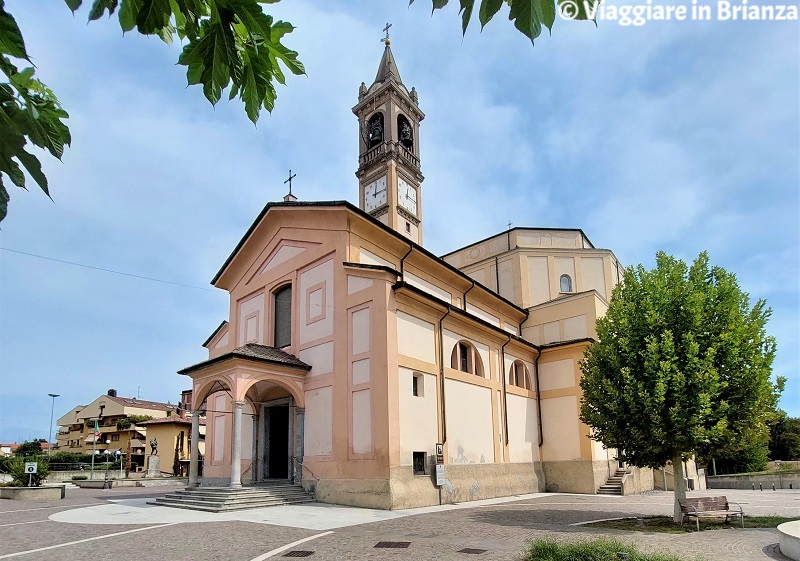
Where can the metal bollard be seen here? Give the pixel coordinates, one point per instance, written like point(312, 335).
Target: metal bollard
point(754, 486)
point(773, 486)
point(760, 487)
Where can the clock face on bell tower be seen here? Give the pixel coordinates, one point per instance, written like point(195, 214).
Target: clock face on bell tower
point(389, 177)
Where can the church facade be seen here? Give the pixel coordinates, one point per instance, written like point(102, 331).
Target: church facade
point(353, 360)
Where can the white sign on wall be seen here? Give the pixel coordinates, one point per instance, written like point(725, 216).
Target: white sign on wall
point(31, 467)
point(439, 475)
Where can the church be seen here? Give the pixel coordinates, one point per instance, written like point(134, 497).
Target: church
point(359, 365)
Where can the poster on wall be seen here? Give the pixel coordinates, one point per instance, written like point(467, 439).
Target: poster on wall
point(439, 475)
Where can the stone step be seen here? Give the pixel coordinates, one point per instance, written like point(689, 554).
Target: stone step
point(219, 499)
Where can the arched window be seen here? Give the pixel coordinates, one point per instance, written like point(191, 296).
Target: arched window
point(283, 316)
point(405, 132)
point(519, 375)
point(374, 130)
point(566, 283)
point(466, 359)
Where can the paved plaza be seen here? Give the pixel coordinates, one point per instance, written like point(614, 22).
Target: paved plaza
point(118, 524)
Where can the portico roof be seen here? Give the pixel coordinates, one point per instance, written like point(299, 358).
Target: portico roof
point(255, 353)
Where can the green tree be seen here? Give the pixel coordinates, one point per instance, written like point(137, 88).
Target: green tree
point(228, 43)
point(784, 438)
point(17, 471)
point(26, 449)
point(682, 367)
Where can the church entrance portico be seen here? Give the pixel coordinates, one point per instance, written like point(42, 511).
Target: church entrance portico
point(254, 416)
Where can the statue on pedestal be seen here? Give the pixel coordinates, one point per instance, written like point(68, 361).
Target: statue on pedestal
point(153, 446)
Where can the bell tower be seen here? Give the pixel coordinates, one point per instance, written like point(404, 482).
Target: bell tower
point(389, 178)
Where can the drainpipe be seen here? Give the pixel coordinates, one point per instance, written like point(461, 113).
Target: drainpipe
point(497, 274)
point(538, 398)
point(441, 377)
point(503, 376)
point(464, 300)
point(402, 261)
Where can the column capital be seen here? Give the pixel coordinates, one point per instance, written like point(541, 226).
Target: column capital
point(237, 403)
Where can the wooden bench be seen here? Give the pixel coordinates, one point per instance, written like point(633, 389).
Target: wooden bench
point(709, 507)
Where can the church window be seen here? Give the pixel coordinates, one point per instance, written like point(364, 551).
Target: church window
point(419, 463)
point(417, 385)
point(283, 316)
point(375, 130)
point(519, 375)
point(466, 359)
point(566, 283)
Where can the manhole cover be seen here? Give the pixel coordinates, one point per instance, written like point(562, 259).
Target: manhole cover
point(299, 553)
point(393, 545)
point(472, 551)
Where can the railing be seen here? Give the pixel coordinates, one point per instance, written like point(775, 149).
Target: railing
point(388, 147)
point(372, 153)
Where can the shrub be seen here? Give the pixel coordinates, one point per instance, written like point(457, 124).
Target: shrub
point(17, 470)
point(11, 484)
point(601, 549)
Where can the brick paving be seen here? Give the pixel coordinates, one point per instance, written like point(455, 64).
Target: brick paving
point(500, 529)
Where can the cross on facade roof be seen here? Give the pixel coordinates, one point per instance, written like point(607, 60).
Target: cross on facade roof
point(289, 181)
point(386, 30)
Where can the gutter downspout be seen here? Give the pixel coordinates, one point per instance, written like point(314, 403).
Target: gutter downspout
point(402, 261)
point(441, 377)
point(538, 399)
point(503, 374)
point(497, 274)
point(464, 298)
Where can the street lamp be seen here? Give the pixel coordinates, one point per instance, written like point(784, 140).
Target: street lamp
point(50, 438)
point(118, 454)
point(106, 484)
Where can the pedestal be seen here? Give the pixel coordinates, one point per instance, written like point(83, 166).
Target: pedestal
point(153, 466)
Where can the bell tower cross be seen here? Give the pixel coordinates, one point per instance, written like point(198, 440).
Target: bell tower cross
point(389, 177)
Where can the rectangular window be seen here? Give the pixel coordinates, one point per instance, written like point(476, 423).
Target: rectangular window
point(417, 385)
point(463, 357)
point(419, 463)
point(114, 438)
point(283, 317)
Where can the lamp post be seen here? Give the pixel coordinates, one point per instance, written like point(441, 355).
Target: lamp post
point(106, 484)
point(50, 438)
point(118, 454)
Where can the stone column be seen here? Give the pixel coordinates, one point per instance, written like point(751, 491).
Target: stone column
point(194, 452)
point(254, 475)
point(236, 450)
point(262, 442)
point(297, 476)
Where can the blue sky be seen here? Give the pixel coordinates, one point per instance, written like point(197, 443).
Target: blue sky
point(679, 136)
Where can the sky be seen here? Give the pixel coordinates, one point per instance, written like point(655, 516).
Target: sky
point(679, 136)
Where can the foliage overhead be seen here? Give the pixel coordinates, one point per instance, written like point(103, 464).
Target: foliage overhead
point(130, 420)
point(528, 15)
point(682, 365)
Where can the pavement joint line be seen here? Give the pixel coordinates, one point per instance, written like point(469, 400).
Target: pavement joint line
point(276, 551)
point(20, 523)
point(45, 508)
point(19, 553)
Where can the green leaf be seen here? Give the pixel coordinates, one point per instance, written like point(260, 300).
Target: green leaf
point(548, 10)
point(488, 10)
point(528, 18)
point(128, 11)
point(153, 16)
point(34, 169)
point(466, 14)
point(100, 6)
point(11, 42)
point(74, 4)
point(439, 4)
point(22, 79)
point(4, 198)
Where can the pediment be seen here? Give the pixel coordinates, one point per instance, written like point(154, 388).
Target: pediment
point(283, 251)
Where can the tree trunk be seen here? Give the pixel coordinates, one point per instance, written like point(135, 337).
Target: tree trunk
point(678, 485)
